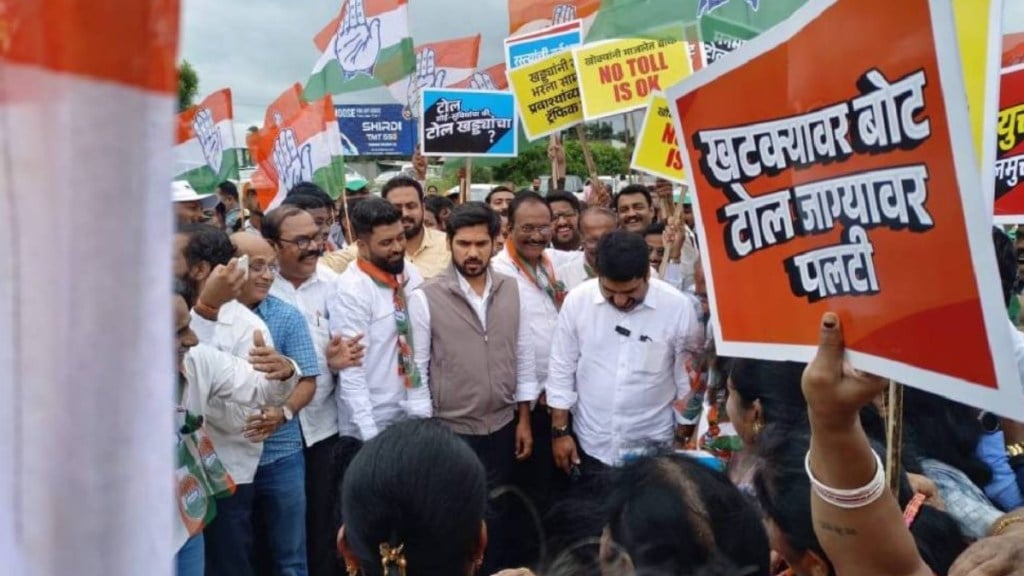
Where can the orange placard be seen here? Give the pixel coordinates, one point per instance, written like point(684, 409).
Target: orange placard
point(848, 184)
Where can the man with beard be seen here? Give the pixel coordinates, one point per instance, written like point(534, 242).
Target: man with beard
point(298, 243)
point(371, 298)
point(595, 222)
point(499, 198)
point(635, 208)
point(565, 213)
point(425, 248)
point(472, 347)
point(188, 204)
point(621, 331)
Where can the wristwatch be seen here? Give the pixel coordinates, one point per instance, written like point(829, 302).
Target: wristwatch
point(288, 414)
point(559, 432)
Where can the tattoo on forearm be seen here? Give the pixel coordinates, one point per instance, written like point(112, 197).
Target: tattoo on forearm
point(837, 530)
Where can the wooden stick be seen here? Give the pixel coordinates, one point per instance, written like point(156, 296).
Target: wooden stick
point(348, 222)
point(581, 133)
point(894, 436)
point(466, 182)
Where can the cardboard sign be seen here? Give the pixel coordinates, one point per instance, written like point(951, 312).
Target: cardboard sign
point(468, 123)
point(841, 188)
point(657, 149)
point(547, 95)
point(1009, 175)
point(529, 48)
point(376, 130)
point(620, 75)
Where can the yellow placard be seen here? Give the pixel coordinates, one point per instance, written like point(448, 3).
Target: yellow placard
point(547, 95)
point(972, 30)
point(657, 149)
point(620, 75)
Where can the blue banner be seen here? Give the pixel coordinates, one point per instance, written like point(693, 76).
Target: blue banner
point(533, 47)
point(375, 130)
point(468, 123)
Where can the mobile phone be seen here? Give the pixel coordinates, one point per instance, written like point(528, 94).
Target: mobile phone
point(243, 263)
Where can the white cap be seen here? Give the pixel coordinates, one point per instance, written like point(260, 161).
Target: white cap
point(182, 191)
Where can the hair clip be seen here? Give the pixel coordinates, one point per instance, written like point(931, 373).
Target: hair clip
point(392, 556)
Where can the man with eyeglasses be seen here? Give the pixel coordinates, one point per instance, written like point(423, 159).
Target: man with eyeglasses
point(222, 322)
point(565, 215)
point(528, 259)
point(595, 222)
point(298, 243)
point(276, 499)
point(313, 199)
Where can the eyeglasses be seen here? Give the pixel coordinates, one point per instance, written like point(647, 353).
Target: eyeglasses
point(530, 229)
point(303, 242)
point(260, 267)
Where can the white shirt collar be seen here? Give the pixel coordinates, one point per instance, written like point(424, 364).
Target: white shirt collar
point(469, 291)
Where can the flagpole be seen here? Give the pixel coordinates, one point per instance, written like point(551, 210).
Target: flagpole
point(581, 134)
point(466, 182)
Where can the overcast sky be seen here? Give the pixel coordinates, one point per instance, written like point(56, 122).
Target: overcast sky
point(260, 47)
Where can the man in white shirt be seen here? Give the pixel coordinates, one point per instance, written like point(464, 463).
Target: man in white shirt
point(219, 320)
point(595, 222)
point(472, 347)
point(371, 298)
point(298, 243)
point(528, 259)
point(618, 360)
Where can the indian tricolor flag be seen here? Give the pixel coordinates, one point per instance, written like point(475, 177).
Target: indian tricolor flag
point(530, 15)
point(367, 45)
point(492, 78)
point(88, 93)
point(306, 148)
point(438, 65)
point(204, 152)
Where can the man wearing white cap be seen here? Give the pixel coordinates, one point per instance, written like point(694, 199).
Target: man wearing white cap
point(188, 204)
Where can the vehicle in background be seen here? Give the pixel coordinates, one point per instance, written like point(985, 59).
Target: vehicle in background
point(573, 184)
point(383, 177)
point(477, 192)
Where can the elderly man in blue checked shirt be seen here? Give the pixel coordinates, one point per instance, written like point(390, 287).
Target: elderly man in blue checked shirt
point(277, 496)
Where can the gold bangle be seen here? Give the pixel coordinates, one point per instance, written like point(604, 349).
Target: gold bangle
point(1015, 449)
point(1005, 523)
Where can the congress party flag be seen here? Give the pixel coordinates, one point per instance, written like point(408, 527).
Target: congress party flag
point(840, 188)
point(88, 98)
point(204, 153)
point(492, 78)
point(367, 45)
point(1009, 167)
point(655, 18)
point(438, 65)
point(306, 148)
point(285, 106)
point(530, 15)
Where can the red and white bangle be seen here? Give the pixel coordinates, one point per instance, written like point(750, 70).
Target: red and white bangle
point(849, 499)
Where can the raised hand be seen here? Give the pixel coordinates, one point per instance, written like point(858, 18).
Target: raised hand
point(563, 13)
point(419, 164)
point(481, 81)
point(427, 76)
point(223, 285)
point(293, 164)
point(357, 44)
point(209, 138)
point(834, 390)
